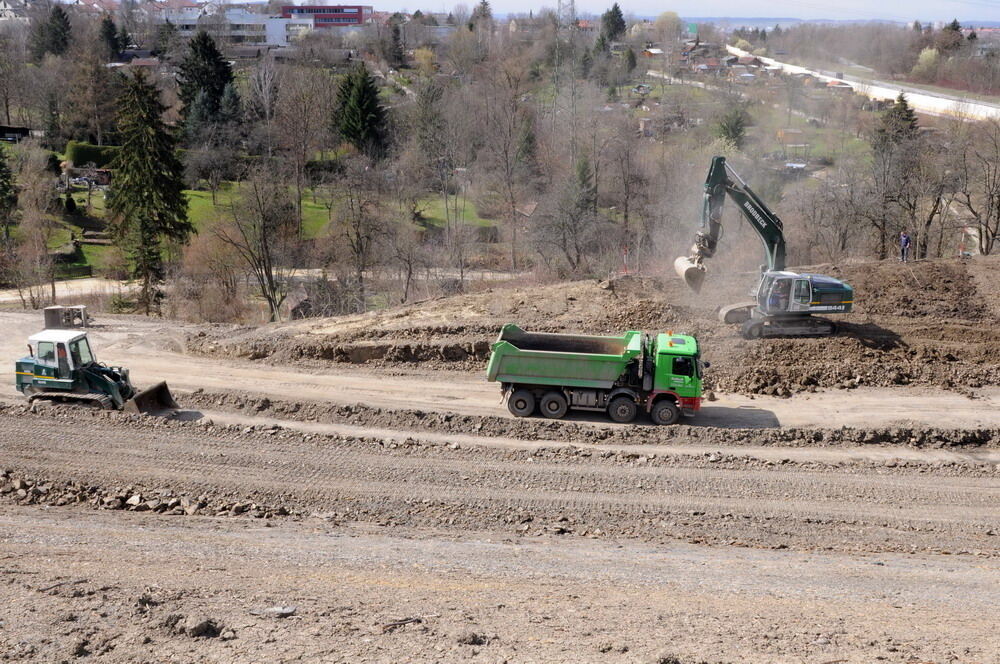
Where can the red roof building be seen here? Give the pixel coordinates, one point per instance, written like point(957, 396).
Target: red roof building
point(330, 16)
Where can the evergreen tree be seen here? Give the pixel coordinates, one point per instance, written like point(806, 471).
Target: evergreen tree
point(601, 45)
point(204, 69)
point(630, 61)
point(586, 62)
point(732, 127)
point(124, 39)
point(52, 35)
point(199, 118)
point(8, 195)
point(417, 15)
point(361, 118)
point(917, 27)
point(450, 20)
point(109, 38)
point(166, 35)
point(972, 36)
point(148, 204)
point(954, 26)
point(395, 54)
point(613, 23)
point(897, 123)
point(230, 107)
point(482, 12)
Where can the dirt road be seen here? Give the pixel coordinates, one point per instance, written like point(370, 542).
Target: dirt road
point(546, 554)
point(152, 352)
point(522, 600)
point(769, 533)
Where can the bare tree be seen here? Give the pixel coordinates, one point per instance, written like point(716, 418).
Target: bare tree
point(304, 109)
point(263, 231)
point(262, 97)
point(505, 125)
point(359, 228)
point(978, 187)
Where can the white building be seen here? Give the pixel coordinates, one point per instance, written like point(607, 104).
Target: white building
point(236, 25)
point(13, 10)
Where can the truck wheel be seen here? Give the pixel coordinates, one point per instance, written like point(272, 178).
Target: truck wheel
point(521, 403)
point(622, 409)
point(553, 405)
point(665, 412)
point(752, 330)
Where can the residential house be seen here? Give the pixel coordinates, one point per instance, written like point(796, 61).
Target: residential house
point(13, 10)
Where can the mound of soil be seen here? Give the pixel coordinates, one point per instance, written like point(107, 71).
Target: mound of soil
point(928, 323)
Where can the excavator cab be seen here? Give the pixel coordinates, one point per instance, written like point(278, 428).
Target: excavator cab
point(784, 292)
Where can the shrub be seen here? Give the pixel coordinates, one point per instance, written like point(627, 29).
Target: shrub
point(81, 154)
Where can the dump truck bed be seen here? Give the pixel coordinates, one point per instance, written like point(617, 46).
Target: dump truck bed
point(570, 360)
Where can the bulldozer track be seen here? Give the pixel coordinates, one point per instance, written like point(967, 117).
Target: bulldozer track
point(486, 488)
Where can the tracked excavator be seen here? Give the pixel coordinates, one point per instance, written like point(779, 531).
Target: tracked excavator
point(784, 303)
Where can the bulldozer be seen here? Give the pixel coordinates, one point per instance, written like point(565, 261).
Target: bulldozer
point(784, 303)
point(61, 366)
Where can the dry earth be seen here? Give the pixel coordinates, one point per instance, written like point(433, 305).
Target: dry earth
point(834, 504)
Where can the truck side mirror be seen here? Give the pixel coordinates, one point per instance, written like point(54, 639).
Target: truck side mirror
point(31, 352)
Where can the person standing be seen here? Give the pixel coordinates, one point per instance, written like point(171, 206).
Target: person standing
point(904, 246)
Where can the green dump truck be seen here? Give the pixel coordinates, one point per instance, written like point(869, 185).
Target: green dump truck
point(552, 373)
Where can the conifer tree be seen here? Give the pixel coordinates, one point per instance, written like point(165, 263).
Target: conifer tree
point(109, 38)
point(8, 195)
point(613, 23)
point(204, 68)
point(147, 204)
point(898, 123)
point(361, 117)
point(52, 35)
point(630, 61)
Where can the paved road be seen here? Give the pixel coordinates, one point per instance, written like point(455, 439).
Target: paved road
point(923, 101)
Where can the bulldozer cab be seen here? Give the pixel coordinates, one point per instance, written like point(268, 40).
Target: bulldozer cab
point(58, 353)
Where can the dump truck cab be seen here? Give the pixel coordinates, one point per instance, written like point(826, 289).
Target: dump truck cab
point(678, 372)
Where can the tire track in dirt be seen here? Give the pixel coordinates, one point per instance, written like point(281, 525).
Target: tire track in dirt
point(851, 508)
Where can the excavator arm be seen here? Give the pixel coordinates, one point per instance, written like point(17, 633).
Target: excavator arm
point(722, 180)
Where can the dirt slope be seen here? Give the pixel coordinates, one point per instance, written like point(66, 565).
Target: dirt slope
point(926, 323)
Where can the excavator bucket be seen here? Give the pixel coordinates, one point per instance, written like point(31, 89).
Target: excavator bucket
point(691, 272)
point(151, 400)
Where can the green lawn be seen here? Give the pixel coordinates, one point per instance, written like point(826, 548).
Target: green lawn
point(202, 212)
point(433, 211)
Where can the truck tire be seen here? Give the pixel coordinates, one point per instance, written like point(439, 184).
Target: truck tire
point(553, 405)
point(665, 412)
point(622, 409)
point(521, 403)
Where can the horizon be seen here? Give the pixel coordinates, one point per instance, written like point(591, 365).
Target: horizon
point(925, 11)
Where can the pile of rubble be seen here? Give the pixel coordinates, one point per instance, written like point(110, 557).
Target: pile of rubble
point(32, 491)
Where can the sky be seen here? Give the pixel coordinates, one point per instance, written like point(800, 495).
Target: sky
point(897, 10)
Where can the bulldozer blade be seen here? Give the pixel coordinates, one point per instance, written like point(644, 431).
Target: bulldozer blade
point(151, 400)
point(692, 273)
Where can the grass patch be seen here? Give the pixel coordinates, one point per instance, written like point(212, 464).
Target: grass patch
point(434, 214)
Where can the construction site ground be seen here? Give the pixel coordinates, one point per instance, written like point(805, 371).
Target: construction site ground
point(351, 489)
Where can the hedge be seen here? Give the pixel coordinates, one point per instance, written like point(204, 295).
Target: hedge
point(82, 154)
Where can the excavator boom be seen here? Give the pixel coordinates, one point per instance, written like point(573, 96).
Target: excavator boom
point(722, 180)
